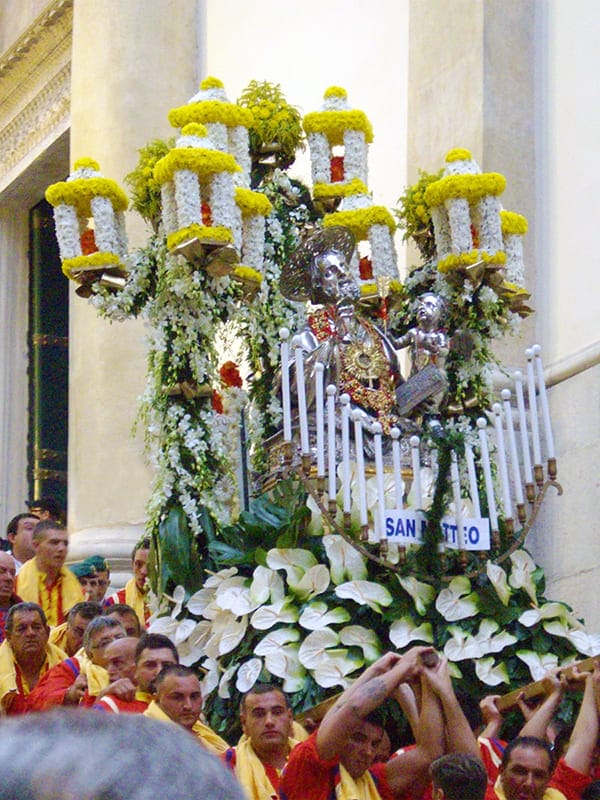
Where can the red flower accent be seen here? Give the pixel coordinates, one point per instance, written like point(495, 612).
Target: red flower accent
point(217, 402)
point(88, 242)
point(475, 237)
point(337, 169)
point(365, 268)
point(206, 214)
point(230, 375)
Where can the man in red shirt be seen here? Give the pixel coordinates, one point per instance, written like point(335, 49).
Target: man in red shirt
point(339, 757)
point(135, 590)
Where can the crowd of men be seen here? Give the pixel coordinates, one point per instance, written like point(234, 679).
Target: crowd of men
point(75, 665)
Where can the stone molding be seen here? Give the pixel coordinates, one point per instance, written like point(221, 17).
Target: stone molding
point(35, 84)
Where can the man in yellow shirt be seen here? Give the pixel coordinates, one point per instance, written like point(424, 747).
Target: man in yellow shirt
point(44, 579)
point(135, 590)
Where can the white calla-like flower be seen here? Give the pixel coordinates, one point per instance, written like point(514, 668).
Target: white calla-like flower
point(548, 611)
point(427, 489)
point(210, 681)
point(457, 601)
point(334, 667)
point(491, 642)
point(294, 560)
point(192, 649)
point(227, 632)
point(274, 640)
point(165, 625)
point(315, 581)
point(267, 616)
point(422, 593)
point(461, 646)
point(184, 629)
point(345, 562)
point(538, 663)
point(285, 664)
point(586, 643)
point(490, 673)
point(312, 649)
point(318, 615)
point(178, 598)
point(248, 675)
point(359, 636)
point(365, 593)
point(403, 631)
point(234, 595)
point(216, 578)
point(266, 585)
point(499, 580)
point(224, 692)
point(315, 525)
point(521, 576)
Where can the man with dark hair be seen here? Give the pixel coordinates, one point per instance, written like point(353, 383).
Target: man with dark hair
point(458, 776)
point(25, 656)
point(126, 616)
point(263, 750)
point(135, 590)
point(341, 753)
point(179, 700)
point(80, 679)
point(69, 635)
point(47, 508)
point(44, 579)
point(99, 757)
point(19, 532)
point(133, 687)
point(8, 597)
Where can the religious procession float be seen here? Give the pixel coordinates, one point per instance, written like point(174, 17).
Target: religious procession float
point(351, 480)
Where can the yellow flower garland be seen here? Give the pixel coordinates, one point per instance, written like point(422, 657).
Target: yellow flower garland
point(199, 160)
point(456, 261)
point(214, 234)
point(371, 290)
point(335, 91)
point(93, 261)
point(513, 223)
point(360, 220)
point(211, 111)
point(325, 190)
point(469, 187)
point(250, 202)
point(334, 123)
point(80, 192)
point(458, 154)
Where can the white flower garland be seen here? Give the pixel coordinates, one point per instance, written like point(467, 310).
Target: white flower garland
point(355, 156)
point(320, 157)
point(187, 198)
point(383, 253)
point(105, 229)
point(238, 143)
point(68, 233)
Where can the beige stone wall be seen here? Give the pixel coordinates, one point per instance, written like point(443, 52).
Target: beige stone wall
point(16, 17)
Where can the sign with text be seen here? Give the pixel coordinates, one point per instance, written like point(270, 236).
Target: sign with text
point(407, 527)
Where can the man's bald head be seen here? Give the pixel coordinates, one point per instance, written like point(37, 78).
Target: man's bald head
point(8, 572)
point(119, 659)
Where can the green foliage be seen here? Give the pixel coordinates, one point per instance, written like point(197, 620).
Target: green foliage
point(414, 217)
point(145, 191)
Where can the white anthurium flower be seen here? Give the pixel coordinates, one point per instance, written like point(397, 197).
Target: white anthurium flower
point(457, 601)
point(248, 674)
point(285, 664)
point(315, 526)
point(178, 598)
point(266, 585)
point(334, 666)
point(233, 595)
point(499, 581)
point(210, 680)
point(345, 562)
point(365, 593)
point(315, 581)
point(548, 611)
point(267, 616)
point(389, 491)
point(217, 577)
point(454, 671)
point(523, 567)
point(491, 642)
point(274, 640)
point(403, 631)
point(227, 632)
point(427, 489)
point(199, 601)
point(586, 643)
point(312, 649)
point(184, 629)
point(226, 677)
point(213, 610)
point(538, 664)
point(358, 636)
point(192, 649)
point(462, 645)
point(165, 625)
point(422, 593)
point(490, 673)
point(318, 615)
point(294, 560)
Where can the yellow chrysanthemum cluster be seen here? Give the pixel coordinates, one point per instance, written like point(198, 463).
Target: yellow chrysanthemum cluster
point(217, 233)
point(79, 193)
point(322, 191)
point(458, 154)
point(333, 124)
point(513, 223)
point(456, 261)
point(92, 261)
point(360, 220)
point(201, 161)
point(250, 202)
point(469, 187)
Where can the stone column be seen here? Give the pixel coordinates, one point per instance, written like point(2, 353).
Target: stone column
point(132, 62)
